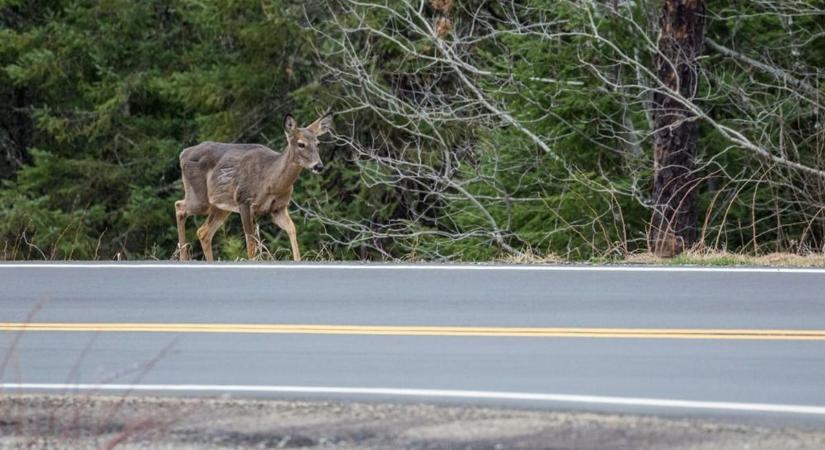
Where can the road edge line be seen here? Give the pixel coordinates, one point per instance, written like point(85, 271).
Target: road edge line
point(432, 393)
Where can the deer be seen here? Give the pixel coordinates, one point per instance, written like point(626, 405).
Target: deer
point(248, 179)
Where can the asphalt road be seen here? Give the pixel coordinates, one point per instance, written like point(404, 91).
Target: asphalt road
point(746, 344)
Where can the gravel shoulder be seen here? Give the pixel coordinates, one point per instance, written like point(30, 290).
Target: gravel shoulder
point(106, 422)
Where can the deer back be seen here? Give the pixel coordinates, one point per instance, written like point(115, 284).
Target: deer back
point(223, 174)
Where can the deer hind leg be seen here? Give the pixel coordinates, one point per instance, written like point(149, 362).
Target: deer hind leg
point(282, 219)
point(180, 215)
point(193, 203)
point(248, 222)
point(213, 223)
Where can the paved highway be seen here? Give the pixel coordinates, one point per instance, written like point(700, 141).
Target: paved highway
point(743, 343)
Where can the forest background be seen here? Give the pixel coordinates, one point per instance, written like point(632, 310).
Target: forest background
point(464, 129)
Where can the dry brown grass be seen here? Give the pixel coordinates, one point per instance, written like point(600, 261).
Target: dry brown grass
point(694, 257)
point(528, 257)
point(723, 258)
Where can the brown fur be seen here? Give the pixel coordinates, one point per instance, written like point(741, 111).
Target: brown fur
point(248, 179)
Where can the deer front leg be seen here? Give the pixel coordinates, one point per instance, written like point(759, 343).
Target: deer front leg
point(248, 222)
point(180, 216)
point(282, 219)
point(214, 221)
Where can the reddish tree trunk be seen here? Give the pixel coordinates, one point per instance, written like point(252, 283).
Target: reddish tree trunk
point(673, 226)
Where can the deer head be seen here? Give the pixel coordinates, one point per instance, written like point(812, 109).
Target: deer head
point(302, 143)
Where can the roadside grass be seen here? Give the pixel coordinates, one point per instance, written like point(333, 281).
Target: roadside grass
point(233, 248)
point(72, 420)
point(727, 259)
point(689, 258)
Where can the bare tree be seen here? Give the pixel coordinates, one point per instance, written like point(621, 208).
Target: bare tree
point(471, 137)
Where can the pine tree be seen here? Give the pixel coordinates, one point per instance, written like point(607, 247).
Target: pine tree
point(673, 226)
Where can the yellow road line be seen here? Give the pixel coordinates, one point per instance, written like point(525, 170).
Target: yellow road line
point(636, 333)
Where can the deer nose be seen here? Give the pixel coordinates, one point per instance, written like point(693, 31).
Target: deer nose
point(318, 168)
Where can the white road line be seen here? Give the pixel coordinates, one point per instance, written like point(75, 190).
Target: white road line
point(422, 267)
point(432, 393)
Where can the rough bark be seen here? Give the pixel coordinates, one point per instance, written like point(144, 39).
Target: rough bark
point(673, 225)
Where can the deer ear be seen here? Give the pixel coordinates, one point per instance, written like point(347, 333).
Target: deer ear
point(322, 125)
point(289, 123)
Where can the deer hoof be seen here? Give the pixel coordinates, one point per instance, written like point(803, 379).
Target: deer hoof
point(183, 252)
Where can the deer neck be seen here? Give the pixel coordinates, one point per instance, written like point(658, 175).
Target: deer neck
point(285, 172)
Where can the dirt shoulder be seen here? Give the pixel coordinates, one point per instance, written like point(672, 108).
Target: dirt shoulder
point(29, 421)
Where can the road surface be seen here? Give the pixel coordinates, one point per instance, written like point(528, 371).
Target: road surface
point(697, 342)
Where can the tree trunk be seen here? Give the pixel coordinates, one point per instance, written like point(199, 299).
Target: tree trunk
point(673, 226)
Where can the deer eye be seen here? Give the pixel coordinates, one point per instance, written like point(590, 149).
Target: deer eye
point(301, 144)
